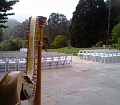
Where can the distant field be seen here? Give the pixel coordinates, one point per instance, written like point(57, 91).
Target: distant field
point(65, 50)
point(73, 51)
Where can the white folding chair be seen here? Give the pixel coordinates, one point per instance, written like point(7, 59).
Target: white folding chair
point(21, 64)
point(81, 53)
point(3, 64)
point(68, 60)
point(12, 63)
point(47, 62)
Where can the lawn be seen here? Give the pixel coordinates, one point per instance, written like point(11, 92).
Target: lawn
point(65, 50)
point(73, 51)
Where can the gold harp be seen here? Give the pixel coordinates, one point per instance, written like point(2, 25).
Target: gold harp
point(17, 86)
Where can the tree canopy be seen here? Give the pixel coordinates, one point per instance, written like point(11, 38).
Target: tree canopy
point(10, 32)
point(20, 30)
point(88, 26)
point(114, 13)
point(57, 24)
point(89, 23)
point(6, 5)
point(116, 33)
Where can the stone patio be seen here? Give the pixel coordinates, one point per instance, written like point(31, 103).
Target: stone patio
point(85, 83)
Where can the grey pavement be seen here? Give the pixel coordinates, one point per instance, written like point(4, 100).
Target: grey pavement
point(85, 83)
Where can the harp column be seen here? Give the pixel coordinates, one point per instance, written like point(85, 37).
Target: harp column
point(37, 98)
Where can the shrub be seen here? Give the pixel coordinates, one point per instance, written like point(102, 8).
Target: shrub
point(116, 33)
point(8, 45)
point(12, 44)
point(99, 44)
point(20, 43)
point(59, 41)
point(114, 46)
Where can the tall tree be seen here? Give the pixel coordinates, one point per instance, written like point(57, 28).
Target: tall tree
point(114, 14)
point(19, 31)
point(57, 25)
point(116, 33)
point(6, 5)
point(89, 23)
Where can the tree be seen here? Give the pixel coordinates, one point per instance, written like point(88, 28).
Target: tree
point(89, 23)
point(8, 45)
point(57, 25)
point(5, 6)
point(19, 31)
point(13, 44)
point(8, 32)
point(46, 31)
point(114, 11)
point(116, 33)
point(1, 35)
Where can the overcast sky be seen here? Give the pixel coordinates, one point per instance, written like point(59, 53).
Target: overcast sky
point(26, 8)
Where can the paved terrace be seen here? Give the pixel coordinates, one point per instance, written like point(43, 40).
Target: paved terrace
point(85, 83)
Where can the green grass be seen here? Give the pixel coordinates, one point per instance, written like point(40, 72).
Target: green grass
point(65, 50)
point(9, 51)
point(73, 51)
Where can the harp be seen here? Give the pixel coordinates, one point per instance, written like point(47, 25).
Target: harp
point(17, 86)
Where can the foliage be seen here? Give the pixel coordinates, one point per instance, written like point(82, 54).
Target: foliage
point(114, 12)
point(19, 31)
point(89, 23)
point(114, 46)
point(99, 44)
point(8, 45)
point(119, 43)
point(9, 32)
point(57, 24)
point(6, 5)
point(59, 41)
point(20, 43)
point(15, 30)
point(1, 34)
point(12, 44)
point(116, 33)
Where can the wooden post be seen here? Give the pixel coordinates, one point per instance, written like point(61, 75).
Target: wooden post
point(37, 99)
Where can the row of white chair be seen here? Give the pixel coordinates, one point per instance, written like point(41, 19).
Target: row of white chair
point(49, 61)
point(11, 63)
point(20, 54)
point(56, 61)
point(13, 54)
point(100, 55)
